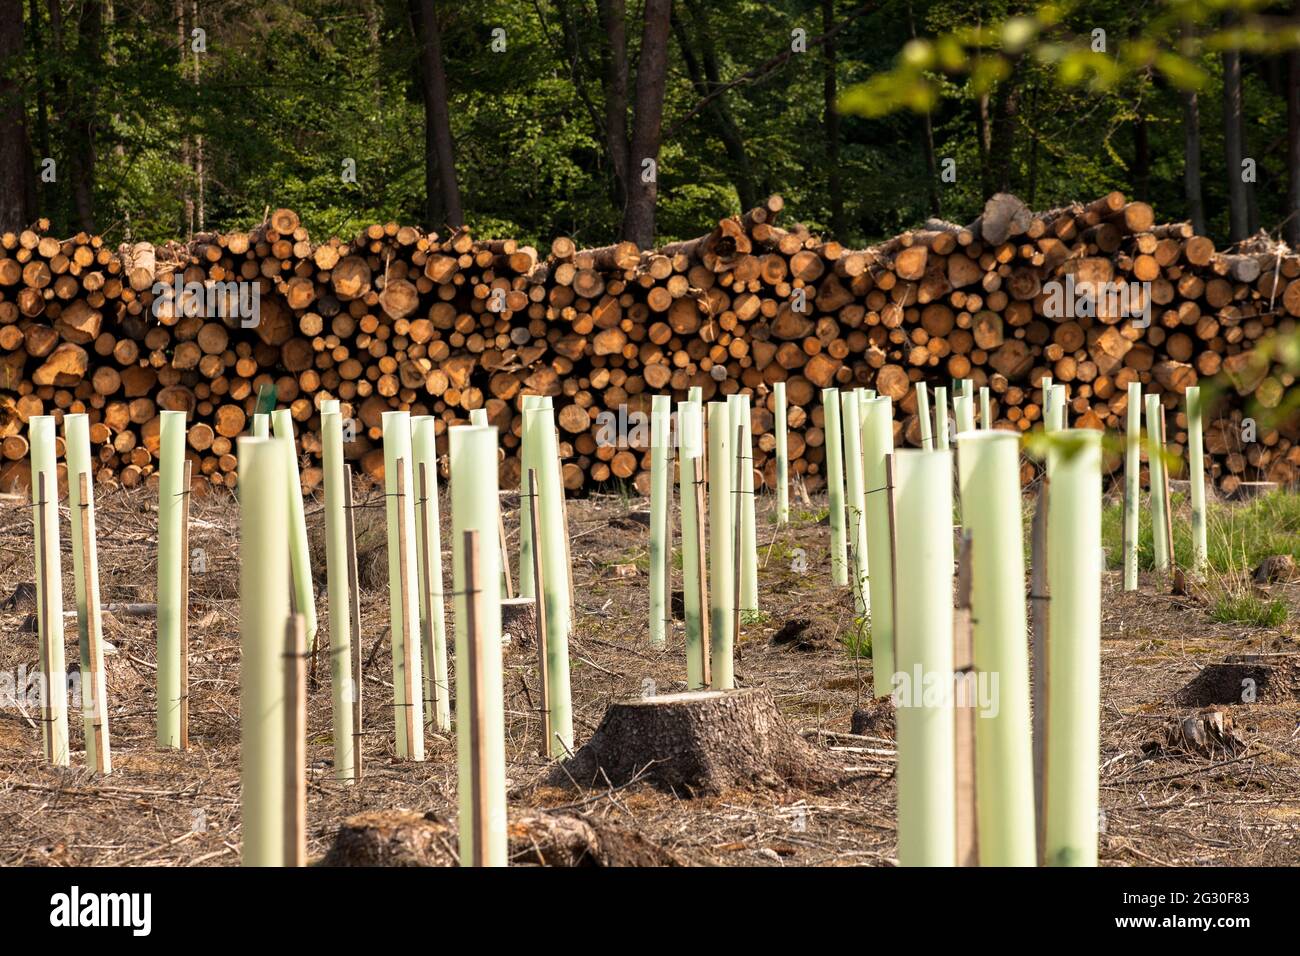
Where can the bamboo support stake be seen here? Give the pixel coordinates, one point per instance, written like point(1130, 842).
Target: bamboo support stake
point(433, 611)
point(835, 486)
point(403, 612)
point(856, 517)
point(85, 566)
point(986, 415)
point(721, 571)
point(1132, 485)
point(782, 457)
point(1074, 654)
point(1039, 638)
point(1196, 479)
point(337, 570)
point(304, 596)
point(554, 557)
point(543, 644)
point(295, 737)
point(263, 609)
point(941, 418)
point(171, 500)
point(926, 769)
point(967, 777)
point(1156, 471)
point(354, 601)
point(923, 416)
point(185, 609)
point(660, 493)
point(877, 447)
point(989, 463)
point(480, 714)
point(49, 587)
point(694, 596)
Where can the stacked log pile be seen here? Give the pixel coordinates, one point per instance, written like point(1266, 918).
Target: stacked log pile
point(399, 318)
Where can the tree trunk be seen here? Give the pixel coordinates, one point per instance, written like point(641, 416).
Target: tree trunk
point(651, 77)
point(178, 12)
point(42, 106)
point(1293, 145)
point(1141, 155)
point(613, 17)
point(831, 121)
point(984, 144)
point(439, 180)
point(1192, 146)
point(1238, 204)
point(1003, 147)
point(201, 204)
point(931, 162)
point(705, 77)
point(15, 163)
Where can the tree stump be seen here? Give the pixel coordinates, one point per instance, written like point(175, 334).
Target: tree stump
point(699, 742)
point(393, 838)
point(519, 623)
point(537, 838)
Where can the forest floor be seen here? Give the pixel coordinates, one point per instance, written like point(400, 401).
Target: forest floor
point(1162, 805)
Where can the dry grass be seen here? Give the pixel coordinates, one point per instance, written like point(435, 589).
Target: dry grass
point(182, 809)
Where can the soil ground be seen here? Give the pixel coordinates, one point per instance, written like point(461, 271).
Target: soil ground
point(1161, 807)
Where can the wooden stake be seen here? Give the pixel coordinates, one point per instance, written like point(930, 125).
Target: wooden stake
point(475, 638)
point(354, 602)
point(701, 511)
point(94, 627)
point(963, 665)
point(185, 608)
point(404, 576)
point(539, 596)
point(43, 609)
point(295, 741)
point(505, 555)
point(1038, 604)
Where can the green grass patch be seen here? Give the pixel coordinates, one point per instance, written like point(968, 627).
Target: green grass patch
point(1248, 608)
point(1238, 536)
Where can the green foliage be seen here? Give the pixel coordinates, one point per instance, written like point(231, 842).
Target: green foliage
point(289, 89)
point(857, 642)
